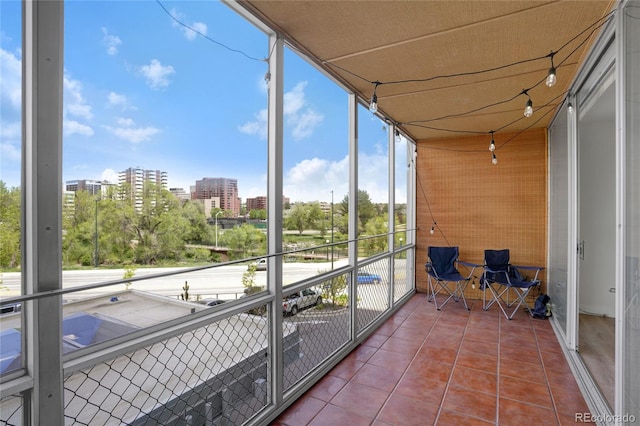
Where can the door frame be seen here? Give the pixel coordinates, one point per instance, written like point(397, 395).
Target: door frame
point(604, 54)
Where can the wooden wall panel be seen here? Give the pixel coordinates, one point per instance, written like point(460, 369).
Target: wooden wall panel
point(478, 205)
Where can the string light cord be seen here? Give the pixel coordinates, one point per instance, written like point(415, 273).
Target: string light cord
point(483, 150)
point(201, 34)
point(424, 195)
point(597, 24)
point(524, 91)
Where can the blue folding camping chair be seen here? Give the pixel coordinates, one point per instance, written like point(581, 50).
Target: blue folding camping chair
point(442, 273)
point(507, 284)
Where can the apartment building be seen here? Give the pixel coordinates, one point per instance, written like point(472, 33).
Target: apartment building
point(136, 178)
point(223, 188)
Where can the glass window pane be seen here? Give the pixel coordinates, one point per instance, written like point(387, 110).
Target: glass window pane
point(10, 185)
point(316, 170)
point(373, 183)
point(558, 217)
point(631, 404)
point(164, 131)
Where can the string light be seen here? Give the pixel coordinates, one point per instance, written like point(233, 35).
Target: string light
point(551, 76)
point(494, 160)
point(589, 31)
point(398, 138)
point(570, 108)
point(433, 228)
point(528, 109)
point(373, 106)
point(492, 145)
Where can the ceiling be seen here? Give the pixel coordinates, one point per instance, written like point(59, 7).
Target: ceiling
point(361, 42)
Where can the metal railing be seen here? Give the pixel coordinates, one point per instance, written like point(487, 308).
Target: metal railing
point(199, 365)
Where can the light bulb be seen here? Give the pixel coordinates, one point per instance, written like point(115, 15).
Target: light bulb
point(398, 138)
point(528, 110)
point(551, 77)
point(492, 145)
point(494, 160)
point(570, 108)
point(432, 230)
point(373, 106)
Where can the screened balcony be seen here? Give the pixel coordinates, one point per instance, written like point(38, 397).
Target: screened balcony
point(432, 95)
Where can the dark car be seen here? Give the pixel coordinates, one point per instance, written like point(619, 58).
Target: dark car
point(368, 278)
point(212, 302)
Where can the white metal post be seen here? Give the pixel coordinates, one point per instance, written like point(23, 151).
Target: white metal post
point(43, 36)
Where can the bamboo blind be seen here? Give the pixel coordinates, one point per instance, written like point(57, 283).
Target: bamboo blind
point(478, 205)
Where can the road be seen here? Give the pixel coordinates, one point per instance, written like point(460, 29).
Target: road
point(224, 282)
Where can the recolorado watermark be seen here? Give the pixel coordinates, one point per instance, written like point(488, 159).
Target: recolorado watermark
point(604, 418)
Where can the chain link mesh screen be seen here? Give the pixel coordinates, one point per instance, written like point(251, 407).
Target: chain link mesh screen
point(11, 410)
point(211, 375)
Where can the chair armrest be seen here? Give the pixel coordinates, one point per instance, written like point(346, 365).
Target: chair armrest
point(473, 266)
point(530, 268)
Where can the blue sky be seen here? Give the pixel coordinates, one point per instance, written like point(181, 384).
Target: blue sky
point(142, 90)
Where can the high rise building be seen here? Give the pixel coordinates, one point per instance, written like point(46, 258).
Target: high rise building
point(260, 203)
point(94, 187)
point(224, 189)
point(136, 178)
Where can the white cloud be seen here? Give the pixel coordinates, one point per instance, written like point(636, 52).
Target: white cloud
point(125, 122)
point(157, 74)
point(118, 100)
point(133, 134)
point(258, 126)
point(189, 33)
point(72, 127)
point(313, 179)
point(298, 116)
point(10, 83)
point(305, 123)
point(75, 103)
point(294, 100)
point(109, 175)
point(111, 42)
point(9, 152)
point(10, 130)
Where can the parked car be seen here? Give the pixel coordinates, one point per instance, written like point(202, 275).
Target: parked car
point(300, 300)
point(261, 264)
point(212, 302)
point(368, 278)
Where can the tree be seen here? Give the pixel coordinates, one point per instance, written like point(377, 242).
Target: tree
point(78, 243)
point(198, 230)
point(375, 226)
point(258, 214)
point(244, 241)
point(159, 227)
point(366, 209)
point(304, 216)
point(9, 227)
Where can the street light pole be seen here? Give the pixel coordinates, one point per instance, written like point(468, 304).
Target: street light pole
point(95, 256)
point(217, 227)
point(332, 229)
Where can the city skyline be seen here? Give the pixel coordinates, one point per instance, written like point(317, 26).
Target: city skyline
point(190, 100)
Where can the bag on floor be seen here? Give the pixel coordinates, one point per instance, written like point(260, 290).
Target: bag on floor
point(540, 307)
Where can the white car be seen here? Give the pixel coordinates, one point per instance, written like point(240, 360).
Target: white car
point(300, 300)
point(260, 264)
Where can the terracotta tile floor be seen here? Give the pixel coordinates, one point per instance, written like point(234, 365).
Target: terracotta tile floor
point(449, 367)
